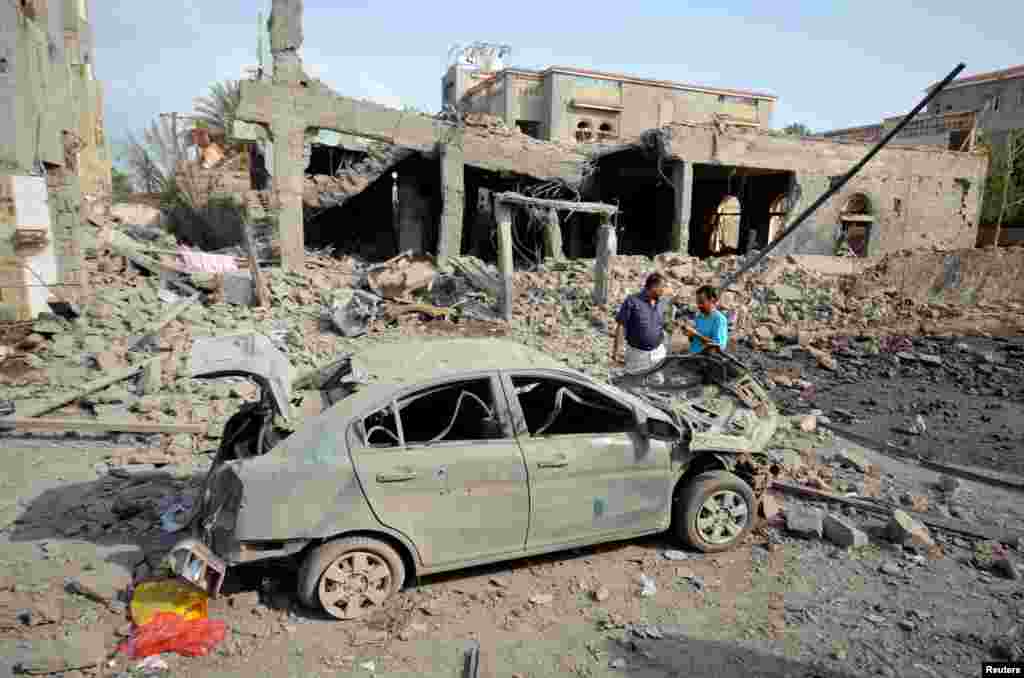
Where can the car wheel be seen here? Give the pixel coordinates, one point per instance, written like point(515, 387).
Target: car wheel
point(351, 577)
point(714, 512)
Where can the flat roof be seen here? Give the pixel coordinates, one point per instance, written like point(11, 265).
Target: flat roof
point(1011, 73)
point(572, 70)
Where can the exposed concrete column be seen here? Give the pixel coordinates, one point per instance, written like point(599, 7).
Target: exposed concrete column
point(553, 236)
point(503, 214)
point(285, 25)
point(288, 177)
point(453, 200)
point(413, 213)
point(66, 218)
point(607, 244)
point(682, 183)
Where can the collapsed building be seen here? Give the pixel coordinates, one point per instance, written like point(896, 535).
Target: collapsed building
point(347, 171)
point(54, 159)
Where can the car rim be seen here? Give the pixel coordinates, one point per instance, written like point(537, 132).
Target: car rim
point(355, 583)
point(722, 517)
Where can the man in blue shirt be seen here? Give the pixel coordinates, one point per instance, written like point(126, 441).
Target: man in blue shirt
point(712, 327)
point(642, 319)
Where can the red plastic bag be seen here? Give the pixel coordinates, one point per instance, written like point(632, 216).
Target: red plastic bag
point(168, 632)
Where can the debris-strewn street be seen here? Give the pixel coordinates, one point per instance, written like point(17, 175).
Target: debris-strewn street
point(819, 584)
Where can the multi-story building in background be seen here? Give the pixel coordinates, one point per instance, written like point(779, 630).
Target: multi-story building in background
point(569, 104)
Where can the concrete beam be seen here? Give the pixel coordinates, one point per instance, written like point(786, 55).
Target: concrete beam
point(682, 206)
point(607, 244)
point(503, 214)
point(453, 200)
point(553, 236)
point(526, 201)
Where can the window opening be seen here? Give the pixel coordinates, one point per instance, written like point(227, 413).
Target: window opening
point(583, 131)
point(452, 412)
point(605, 131)
point(553, 407)
point(725, 225)
point(530, 128)
point(855, 227)
point(380, 429)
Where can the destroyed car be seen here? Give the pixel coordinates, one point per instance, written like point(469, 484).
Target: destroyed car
point(432, 455)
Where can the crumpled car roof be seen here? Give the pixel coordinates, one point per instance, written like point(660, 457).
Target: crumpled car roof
point(412, 361)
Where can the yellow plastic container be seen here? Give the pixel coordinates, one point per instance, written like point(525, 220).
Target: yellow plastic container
point(168, 595)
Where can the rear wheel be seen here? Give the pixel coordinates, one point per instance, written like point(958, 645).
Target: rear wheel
point(351, 577)
point(714, 512)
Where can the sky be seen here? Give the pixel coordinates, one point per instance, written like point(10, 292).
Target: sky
point(832, 64)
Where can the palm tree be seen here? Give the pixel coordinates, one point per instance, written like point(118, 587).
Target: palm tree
point(218, 109)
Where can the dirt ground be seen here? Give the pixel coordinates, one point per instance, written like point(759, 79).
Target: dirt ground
point(777, 606)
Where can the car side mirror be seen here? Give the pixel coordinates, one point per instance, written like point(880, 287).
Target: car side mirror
point(657, 429)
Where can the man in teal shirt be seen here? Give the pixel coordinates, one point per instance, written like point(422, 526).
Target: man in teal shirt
point(712, 327)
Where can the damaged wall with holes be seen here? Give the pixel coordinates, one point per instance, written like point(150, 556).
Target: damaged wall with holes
point(54, 159)
point(905, 198)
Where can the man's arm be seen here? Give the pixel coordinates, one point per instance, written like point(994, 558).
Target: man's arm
point(721, 332)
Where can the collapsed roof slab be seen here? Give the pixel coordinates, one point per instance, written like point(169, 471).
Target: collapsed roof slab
point(314, 105)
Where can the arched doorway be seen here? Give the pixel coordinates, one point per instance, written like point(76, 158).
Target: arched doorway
point(724, 229)
point(856, 224)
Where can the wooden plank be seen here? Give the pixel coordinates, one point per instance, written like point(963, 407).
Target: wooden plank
point(99, 425)
point(885, 509)
point(90, 387)
point(510, 198)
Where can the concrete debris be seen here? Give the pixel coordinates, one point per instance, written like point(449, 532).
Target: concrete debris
point(601, 594)
point(647, 586)
point(841, 532)
point(949, 484)
point(805, 522)
point(903, 529)
point(890, 568)
point(352, 311)
point(401, 276)
point(81, 650)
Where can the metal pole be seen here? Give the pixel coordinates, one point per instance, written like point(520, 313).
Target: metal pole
point(728, 280)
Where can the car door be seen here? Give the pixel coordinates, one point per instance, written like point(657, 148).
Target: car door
point(446, 471)
point(591, 473)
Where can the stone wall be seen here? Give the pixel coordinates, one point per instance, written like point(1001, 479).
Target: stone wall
point(919, 197)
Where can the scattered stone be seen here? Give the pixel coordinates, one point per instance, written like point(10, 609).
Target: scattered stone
point(617, 664)
point(809, 423)
point(542, 599)
point(602, 594)
point(890, 568)
point(80, 650)
point(854, 459)
point(676, 555)
point(804, 522)
point(917, 503)
point(841, 532)
point(875, 619)
point(497, 581)
point(907, 625)
point(902, 529)
point(948, 483)
point(647, 586)
point(245, 599)
point(770, 506)
point(930, 359)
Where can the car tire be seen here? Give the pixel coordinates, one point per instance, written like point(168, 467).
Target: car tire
point(373, 573)
point(695, 502)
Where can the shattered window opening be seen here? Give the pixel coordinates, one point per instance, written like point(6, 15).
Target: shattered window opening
point(555, 407)
point(380, 429)
point(452, 412)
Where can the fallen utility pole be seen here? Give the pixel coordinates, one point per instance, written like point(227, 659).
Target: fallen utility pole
point(729, 279)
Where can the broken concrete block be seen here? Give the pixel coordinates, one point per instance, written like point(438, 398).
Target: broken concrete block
point(238, 288)
point(770, 506)
point(809, 423)
point(949, 484)
point(854, 459)
point(81, 650)
point(903, 529)
point(917, 503)
point(842, 532)
point(804, 522)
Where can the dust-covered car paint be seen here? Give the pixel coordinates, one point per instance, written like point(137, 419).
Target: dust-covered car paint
point(459, 452)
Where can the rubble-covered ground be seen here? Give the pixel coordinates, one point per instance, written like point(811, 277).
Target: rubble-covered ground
point(790, 602)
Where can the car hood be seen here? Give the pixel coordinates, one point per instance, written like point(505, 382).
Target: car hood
point(246, 355)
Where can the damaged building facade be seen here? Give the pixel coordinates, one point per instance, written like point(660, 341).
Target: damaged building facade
point(54, 159)
point(703, 188)
point(568, 104)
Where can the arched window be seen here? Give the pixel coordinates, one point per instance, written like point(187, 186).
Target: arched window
point(584, 133)
point(777, 217)
point(725, 225)
point(606, 131)
point(856, 223)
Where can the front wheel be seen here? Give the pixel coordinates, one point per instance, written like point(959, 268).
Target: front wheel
point(714, 512)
